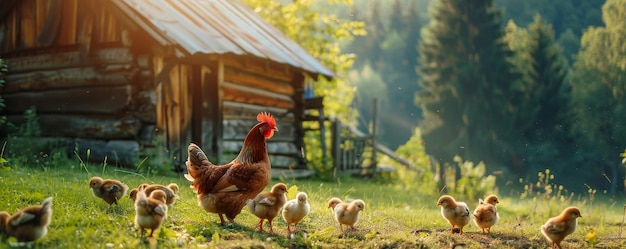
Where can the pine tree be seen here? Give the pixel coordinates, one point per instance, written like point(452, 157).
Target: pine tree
point(466, 83)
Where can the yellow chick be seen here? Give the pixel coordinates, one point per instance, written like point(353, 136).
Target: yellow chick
point(109, 190)
point(295, 210)
point(556, 228)
point(486, 213)
point(457, 213)
point(267, 205)
point(28, 224)
point(346, 213)
point(151, 210)
point(170, 190)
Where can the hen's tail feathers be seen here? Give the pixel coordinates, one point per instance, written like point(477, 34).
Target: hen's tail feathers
point(251, 205)
point(46, 205)
point(197, 162)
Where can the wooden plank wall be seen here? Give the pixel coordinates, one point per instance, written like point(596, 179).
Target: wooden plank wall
point(98, 104)
point(252, 86)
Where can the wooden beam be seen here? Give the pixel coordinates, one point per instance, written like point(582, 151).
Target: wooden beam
point(85, 126)
point(237, 93)
point(215, 93)
point(54, 61)
point(90, 100)
point(196, 104)
point(65, 78)
point(237, 75)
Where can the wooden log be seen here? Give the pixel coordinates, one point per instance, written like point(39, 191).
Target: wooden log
point(264, 82)
point(237, 129)
point(277, 161)
point(143, 106)
point(235, 110)
point(95, 100)
point(65, 78)
point(279, 148)
point(237, 93)
point(122, 152)
point(259, 66)
point(54, 61)
point(85, 126)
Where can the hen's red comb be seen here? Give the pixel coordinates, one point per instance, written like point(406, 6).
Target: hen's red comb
point(267, 118)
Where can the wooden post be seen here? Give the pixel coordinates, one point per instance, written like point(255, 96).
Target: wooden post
point(374, 134)
point(196, 106)
point(215, 80)
point(336, 145)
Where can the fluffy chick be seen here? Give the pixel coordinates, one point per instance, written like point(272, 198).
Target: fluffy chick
point(486, 213)
point(170, 190)
point(28, 224)
point(151, 210)
point(295, 210)
point(457, 213)
point(267, 205)
point(556, 228)
point(109, 190)
point(346, 213)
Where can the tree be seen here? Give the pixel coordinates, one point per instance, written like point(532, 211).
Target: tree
point(466, 80)
point(598, 93)
point(320, 34)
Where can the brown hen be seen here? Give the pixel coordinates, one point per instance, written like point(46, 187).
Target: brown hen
point(224, 189)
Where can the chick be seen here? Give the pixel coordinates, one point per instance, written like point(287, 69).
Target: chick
point(346, 213)
point(486, 213)
point(108, 190)
point(151, 210)
point(295, 210)
point(457, 213)
point(170, 190)
point(267, 205)
point(28, 224)
point(556, 228)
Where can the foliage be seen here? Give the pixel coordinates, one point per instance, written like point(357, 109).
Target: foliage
point(542, 95)
point(25, 140)
point(320, 33)
point(544, 192)
point(472, 182)
point(598, 91)
point(465, 77)
point(389, 50)
point(569, 18)
point(423, 180)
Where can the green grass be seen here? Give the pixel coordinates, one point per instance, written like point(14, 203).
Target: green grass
point(393, 217)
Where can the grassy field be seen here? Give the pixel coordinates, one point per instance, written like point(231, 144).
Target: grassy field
point(393, 217)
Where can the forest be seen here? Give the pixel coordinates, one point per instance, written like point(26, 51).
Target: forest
point(520, 85)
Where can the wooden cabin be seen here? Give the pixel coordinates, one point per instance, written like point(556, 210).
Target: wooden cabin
point(118, 77)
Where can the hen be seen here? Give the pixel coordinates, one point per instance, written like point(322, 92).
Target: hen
point(150, 211)
point(267, 205)
point(556, 228)
point(295, 210)
point(486, 214)
point(109, 190)
point(224, 189)
point(28, 224)
point(346, 213)
point(457, 213)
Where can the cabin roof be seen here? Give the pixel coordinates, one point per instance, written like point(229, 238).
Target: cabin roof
point(218, 27)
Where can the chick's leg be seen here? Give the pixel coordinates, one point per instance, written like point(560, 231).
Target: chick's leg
point(288, 228)
point(271, 228)
point(221, 218)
